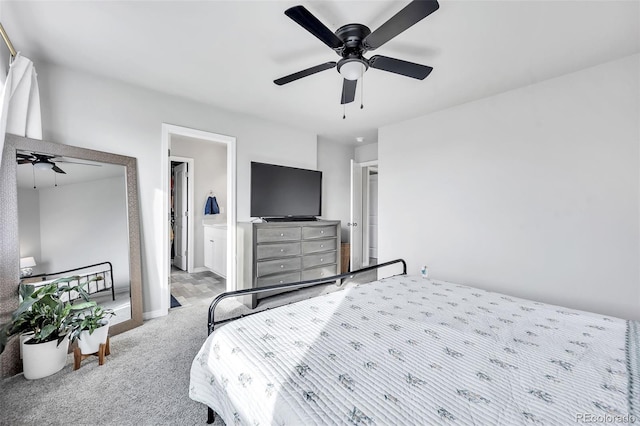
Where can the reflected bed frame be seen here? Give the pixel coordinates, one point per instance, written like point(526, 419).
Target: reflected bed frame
point(211, 322)
point(102, 269)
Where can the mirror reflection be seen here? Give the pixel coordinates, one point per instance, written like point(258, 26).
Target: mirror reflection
point(72, 216)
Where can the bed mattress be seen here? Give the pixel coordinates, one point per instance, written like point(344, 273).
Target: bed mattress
point(405, 350)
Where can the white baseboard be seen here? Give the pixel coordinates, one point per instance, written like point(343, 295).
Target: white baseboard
point(200, 269)
point(154, 314)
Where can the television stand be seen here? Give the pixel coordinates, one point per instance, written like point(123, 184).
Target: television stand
point(290, 219)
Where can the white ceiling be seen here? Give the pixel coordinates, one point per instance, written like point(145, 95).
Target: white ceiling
point(227, 53)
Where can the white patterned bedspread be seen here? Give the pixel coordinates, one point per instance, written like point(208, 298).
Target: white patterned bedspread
point(405, 350)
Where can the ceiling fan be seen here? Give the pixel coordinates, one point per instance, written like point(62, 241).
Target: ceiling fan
point(352, 41)
point(45, 161)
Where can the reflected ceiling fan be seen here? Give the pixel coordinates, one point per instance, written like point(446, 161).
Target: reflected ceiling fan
point(46, 161)
point(352, 41)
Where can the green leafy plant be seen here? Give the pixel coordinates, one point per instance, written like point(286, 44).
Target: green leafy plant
point(46, 312)
point(90, 320)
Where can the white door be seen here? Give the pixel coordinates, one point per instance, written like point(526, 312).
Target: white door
point(355, 227)
point(181, 217)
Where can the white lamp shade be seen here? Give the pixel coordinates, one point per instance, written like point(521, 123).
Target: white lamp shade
point(352, 70)
point(43, 166)
point(27, 262)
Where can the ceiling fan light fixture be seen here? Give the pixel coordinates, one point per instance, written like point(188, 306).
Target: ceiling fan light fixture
point(43, 166)
point(352, 69)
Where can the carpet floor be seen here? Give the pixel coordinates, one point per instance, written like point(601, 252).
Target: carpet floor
point(145, 380)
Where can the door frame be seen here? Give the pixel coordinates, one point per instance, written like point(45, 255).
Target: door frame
point(366, 191)
point(363, 204)
point(190, 235)
point(167, 131)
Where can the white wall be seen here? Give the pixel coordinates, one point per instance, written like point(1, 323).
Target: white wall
point(93, 112)
point(364, 153)
point(86, 223)
point(334, 160)
point(29, 225)
point(209, 174)
point(533, 192)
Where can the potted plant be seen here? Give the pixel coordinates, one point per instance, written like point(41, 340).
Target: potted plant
point(46, 313)
point(91, 328)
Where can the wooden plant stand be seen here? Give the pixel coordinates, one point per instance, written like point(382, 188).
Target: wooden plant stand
point(78, 357)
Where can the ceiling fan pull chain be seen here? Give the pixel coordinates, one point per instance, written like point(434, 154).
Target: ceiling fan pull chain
point(344, 112)
point(362, 92)
point(33, 169)
point(55, 179)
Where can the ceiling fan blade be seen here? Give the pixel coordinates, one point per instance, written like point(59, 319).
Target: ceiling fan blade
point(304, 73)
point(78, 162)
point(414, 12)
point(348, 91)
point(312, 24)
point(25, 156)
point(43, 157)
point(58, 170)
point(398, 66)
point(24, 161)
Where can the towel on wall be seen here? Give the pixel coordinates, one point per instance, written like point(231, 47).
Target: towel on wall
point(211, 207)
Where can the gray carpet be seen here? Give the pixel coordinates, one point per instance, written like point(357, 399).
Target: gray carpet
point(145, 380)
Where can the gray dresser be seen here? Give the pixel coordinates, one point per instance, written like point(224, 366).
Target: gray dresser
point(287, 252)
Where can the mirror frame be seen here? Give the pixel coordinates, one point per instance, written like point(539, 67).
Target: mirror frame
point(10, 363)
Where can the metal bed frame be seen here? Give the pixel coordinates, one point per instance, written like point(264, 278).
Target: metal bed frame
point(108, 283)
point(211, 322)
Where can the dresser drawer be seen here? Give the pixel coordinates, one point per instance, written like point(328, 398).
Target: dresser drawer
point(291, 277)
point(267, 267)
point(312, 260)
point(318, 246)
point(267, 251)
point(309, 232)
point(275, 235)
point(316, 273)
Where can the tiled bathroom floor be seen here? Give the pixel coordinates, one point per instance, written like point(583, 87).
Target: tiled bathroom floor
point(190, 288)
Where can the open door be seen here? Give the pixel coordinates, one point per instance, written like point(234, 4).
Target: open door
point(355, 228)
point(181, 217)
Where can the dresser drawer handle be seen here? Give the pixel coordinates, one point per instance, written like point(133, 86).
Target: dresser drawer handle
point(321, 245)
point(282, 266)
point(281, 250)
point(322, 232)
point(321, 259)
point(282, 234)
point(281, 281)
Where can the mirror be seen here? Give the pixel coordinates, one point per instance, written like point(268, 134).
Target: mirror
point(69, 211)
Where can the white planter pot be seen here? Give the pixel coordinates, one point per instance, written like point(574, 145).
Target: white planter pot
point(90, 343)
point(23, 338)
point(44, 359)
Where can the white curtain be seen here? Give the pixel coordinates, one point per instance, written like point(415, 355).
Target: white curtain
point(20, 101)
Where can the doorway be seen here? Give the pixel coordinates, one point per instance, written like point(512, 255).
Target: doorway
point(181, 229)
point(184, 184)
point(370, 217)
point(363, 224)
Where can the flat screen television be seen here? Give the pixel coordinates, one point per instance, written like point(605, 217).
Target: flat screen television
point(285, 192)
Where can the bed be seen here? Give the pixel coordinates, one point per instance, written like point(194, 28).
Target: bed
point(406, 350)
point(97, 279)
